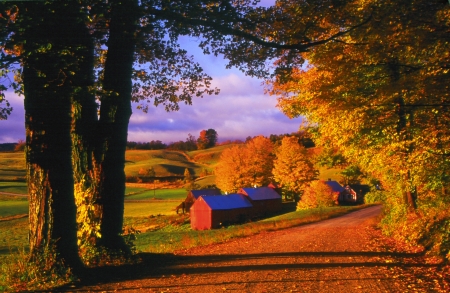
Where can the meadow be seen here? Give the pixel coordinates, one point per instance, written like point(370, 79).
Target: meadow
point(149, 208)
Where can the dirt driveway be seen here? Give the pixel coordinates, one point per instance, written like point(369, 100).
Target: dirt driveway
point(345, 254)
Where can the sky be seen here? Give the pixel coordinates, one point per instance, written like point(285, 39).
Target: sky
point(240, 110)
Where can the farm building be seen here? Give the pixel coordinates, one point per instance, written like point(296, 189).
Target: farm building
point(361, 190)
point(209, 211)
point(194, 194)
point(346, 194)
point(265, 200)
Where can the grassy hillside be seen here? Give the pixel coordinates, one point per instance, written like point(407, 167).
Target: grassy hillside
point(12, 166)
point(164, 162)
point(209, 157)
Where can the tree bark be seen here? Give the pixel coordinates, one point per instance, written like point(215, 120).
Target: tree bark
point(115, 112)
point(50, 67)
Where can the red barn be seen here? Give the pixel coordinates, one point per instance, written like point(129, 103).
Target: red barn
point(209, 212)
point(265, 200)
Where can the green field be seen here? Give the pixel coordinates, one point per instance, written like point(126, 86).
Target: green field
point(164, 162)
point(14, 187)
point(12, 166)
point(164, 194)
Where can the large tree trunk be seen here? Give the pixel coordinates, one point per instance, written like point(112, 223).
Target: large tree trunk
point(52, 51)
point(85, 164)
point(115, 112)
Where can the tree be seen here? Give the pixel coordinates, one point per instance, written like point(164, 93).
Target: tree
point(50, 84)
point(380, 95)
point(229, 177)
point(258, 161)
point(207, 139)
point(245, 165)
point(293, 169)
point(317, 194)
point(187, 176)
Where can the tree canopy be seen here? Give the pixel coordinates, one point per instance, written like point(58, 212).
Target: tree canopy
point(380, 95)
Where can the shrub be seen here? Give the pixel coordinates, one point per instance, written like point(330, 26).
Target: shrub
point(317, 194)
point(45, 271)
point(375, 196)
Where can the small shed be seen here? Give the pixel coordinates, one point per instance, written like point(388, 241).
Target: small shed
point(214, 211)
point(265, 200)
point(194, 194)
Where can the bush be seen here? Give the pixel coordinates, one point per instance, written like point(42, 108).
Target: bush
point(45, 271)
point(375, 196)
point(317, 194)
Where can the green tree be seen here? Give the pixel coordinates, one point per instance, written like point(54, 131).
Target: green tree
point(293, 168)
point(187, 176)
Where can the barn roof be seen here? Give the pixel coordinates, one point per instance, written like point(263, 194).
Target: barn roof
point(227, 202)
point(335, 186)
point(260, 193)
point(199, 192)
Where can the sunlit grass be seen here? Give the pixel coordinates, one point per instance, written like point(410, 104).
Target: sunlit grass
point(14, 187)
point(10, 208)
point(164, 194)
point(144, 209)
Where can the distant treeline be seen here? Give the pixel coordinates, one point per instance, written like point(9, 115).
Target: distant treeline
point(191, 143)
point(7, 147)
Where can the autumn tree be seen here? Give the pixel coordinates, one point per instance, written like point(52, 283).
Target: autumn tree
point(258, 161)
point(293, 169)
point(229, 177)
point(317, 194)
point(245, 165)
point(207, 139)
point(380, 95)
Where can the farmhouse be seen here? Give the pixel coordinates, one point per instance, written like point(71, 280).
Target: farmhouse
point(265, 200)
point(346, 194)
point(209, 211)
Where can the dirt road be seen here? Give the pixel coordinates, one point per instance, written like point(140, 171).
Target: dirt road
point(339, 255)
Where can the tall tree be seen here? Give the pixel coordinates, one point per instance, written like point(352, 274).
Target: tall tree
point(245, 165)
point(53, 77)
point(292, 168)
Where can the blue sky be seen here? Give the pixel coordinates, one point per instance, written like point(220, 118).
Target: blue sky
point(240, 110)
